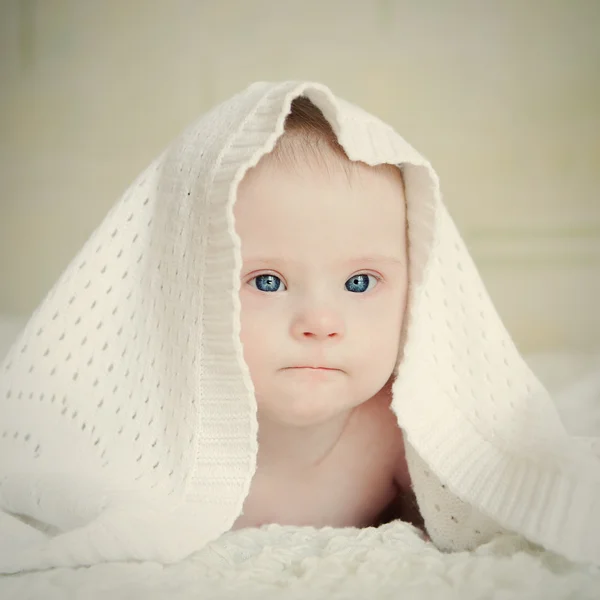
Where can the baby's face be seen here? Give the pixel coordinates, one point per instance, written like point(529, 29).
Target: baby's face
point(324, 285)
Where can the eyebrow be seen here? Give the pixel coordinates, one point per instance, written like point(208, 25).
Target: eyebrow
point(370, 259)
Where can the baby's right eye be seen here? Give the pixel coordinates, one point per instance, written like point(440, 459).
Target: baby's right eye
point(267, 283)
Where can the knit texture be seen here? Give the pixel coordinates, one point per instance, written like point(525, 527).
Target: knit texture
point(127, 415)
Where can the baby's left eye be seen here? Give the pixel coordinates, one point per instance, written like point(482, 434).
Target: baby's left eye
point(361, 283)
point(267, 283)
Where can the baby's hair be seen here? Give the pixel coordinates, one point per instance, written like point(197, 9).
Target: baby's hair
point(307, 120)
point(308, 135)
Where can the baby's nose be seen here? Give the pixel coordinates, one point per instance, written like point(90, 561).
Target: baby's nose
point(318, 324)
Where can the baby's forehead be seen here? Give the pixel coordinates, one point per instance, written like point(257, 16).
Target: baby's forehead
point(316, 204)
point(309, 213)
point(301, 164)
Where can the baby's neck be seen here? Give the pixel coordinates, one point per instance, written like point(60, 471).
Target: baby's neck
point(284, 448)
point(288, 448)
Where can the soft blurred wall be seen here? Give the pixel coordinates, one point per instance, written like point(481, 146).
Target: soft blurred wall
point(502, 97)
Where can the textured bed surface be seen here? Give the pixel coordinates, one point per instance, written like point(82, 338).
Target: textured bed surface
point(392, 561)
point(283, 562)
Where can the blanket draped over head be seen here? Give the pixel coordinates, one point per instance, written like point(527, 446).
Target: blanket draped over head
point(128, 422)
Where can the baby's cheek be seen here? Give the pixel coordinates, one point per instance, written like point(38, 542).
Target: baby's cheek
point(257, 335)
point(381, 322)
point(381, 345)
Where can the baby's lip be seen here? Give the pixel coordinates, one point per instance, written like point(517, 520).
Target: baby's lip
point(314, 368)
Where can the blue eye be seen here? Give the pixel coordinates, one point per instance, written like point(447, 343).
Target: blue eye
point(267, 283)
point(361, 283)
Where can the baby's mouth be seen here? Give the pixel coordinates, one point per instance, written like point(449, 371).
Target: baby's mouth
point(314, 368)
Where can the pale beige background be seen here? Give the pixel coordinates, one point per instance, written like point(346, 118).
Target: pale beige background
point(502, 96)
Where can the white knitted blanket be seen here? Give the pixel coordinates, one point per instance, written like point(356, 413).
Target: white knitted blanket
point(128, 427)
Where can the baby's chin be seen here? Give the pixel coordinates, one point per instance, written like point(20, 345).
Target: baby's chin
point(308, 409)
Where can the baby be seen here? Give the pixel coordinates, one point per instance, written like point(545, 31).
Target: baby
point(323, 295)
point(171, 388)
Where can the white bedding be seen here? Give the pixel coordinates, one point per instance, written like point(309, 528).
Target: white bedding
point(283, 562)
point(389, 562)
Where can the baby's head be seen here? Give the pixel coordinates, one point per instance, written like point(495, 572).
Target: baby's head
point(324, 275)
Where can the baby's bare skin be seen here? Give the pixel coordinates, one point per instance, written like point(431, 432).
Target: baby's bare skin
point(361, 482)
